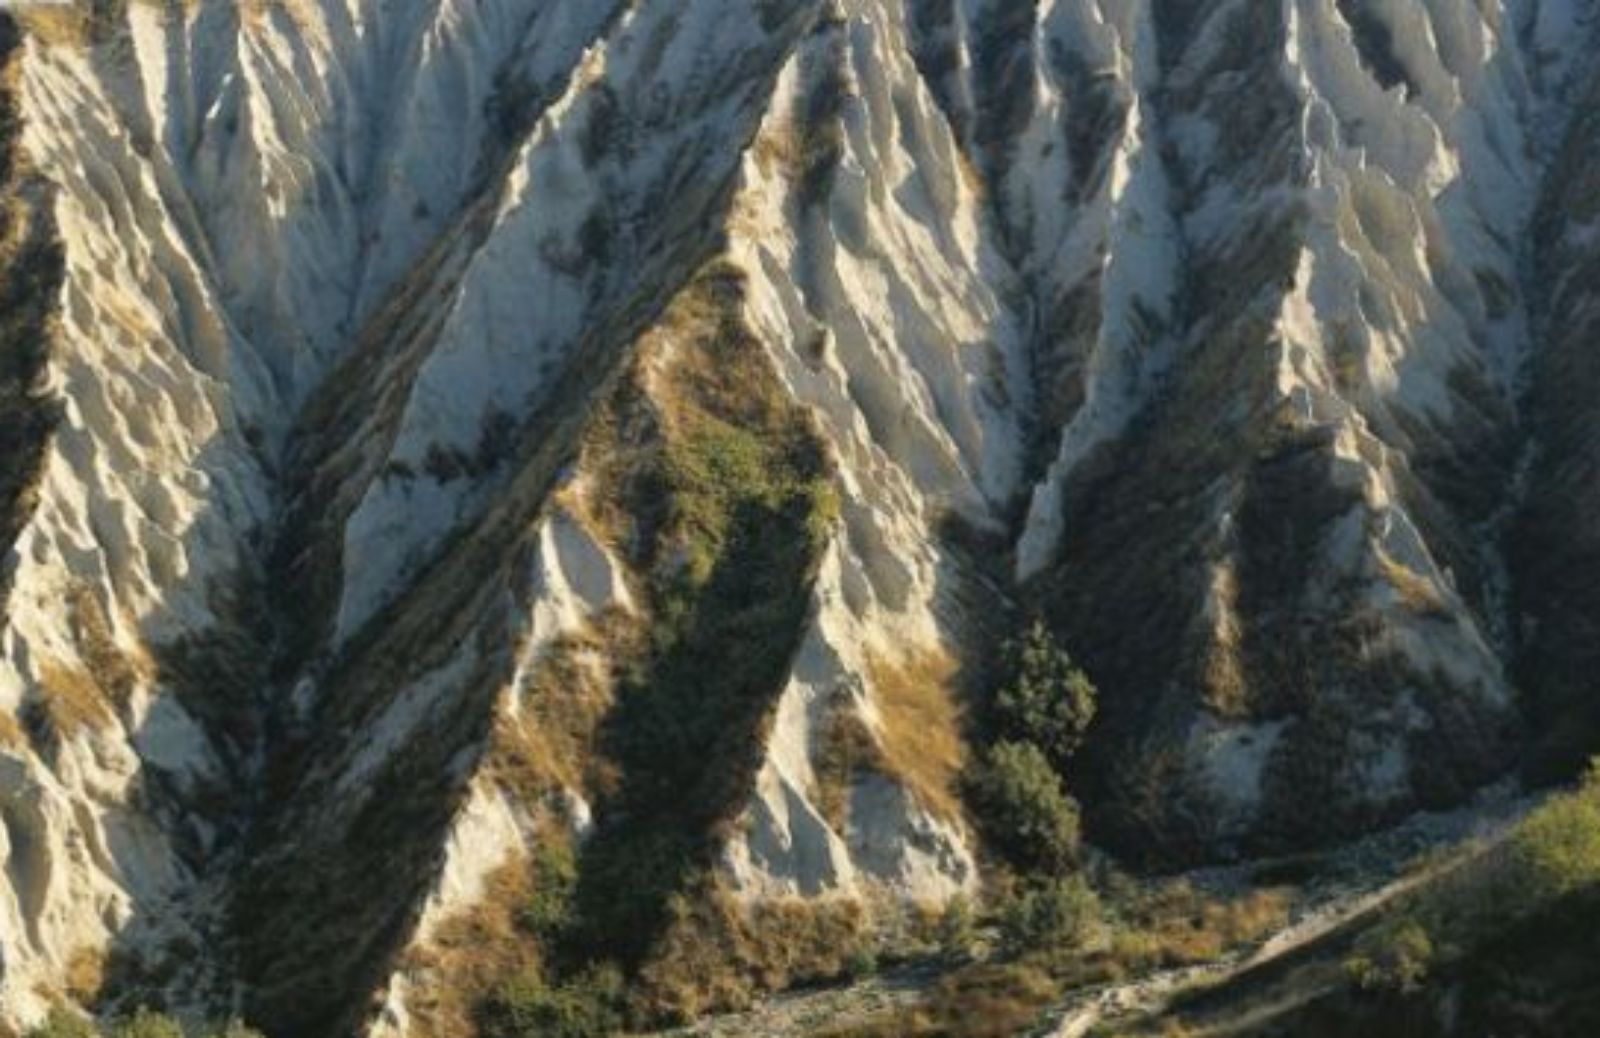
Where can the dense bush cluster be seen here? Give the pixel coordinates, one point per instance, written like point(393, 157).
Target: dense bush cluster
point(588, 1005)
point(1020, 801)
point(1041, 713)
point(1055, 915)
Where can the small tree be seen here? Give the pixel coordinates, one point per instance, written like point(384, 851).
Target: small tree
point(1020, 801)
point(1046, 699)
point(1056, 915)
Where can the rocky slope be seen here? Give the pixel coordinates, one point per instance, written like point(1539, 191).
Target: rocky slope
point(439, 431)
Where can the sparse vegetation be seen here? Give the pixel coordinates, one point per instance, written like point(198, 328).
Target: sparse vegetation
point(918, 741)
point(476, 952)
point(80, 23)
point(718, 953)
point(1174, 923)
point(845, 748)
point(921, 736)
point(991, 1000)
point(86, 975)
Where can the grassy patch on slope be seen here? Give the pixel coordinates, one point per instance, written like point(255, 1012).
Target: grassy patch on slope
point(711, 483)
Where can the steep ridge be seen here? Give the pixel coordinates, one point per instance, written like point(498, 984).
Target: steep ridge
point(485, 426)
point(1553, 543)
point(1285, 402)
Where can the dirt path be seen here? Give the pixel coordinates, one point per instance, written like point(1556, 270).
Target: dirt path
point(1328, 911)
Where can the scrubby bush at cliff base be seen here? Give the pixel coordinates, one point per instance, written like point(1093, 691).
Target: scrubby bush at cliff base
point(1057, 914)
point(958, 929)
point(586, 1006)
point(1021, 806)
point(720, 953)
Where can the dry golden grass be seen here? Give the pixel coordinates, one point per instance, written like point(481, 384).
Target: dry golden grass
point(1416, 592)
point(550, 745)
point(845, 748)
point(73, 701)
point(990, 1000)
point(1176, 925)
point(116, 672)
point(12, 736)
point(469, 955)
point(85, 975)
point(917, 743)
point(719, 954)
point(777, 151)
point(83, 23)
point(1225, 688)
point(55, 26)
point(83, 696)
point(921, 736)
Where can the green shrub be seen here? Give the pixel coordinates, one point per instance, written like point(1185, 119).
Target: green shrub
point(1556, 850)
point(588, 1006)
point(1019, 800)
point(1393, 958)
point(862, 962)
point(547, 911)
point(1056, 915)
point(146, 1024)
point(1046, 699)
point(63, 1023)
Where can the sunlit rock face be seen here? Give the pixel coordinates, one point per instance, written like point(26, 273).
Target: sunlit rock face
point(356, 354)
